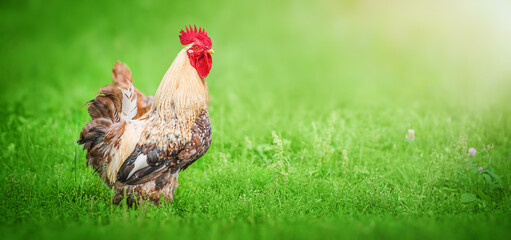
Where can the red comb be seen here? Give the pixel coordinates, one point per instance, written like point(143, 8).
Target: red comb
point(192, 35)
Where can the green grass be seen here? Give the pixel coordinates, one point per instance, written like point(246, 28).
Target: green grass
point(310, 105)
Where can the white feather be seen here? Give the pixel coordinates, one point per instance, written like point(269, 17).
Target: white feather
point(129, 102)
point(140, 162)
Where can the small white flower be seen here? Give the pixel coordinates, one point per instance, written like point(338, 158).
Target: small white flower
point(480, 169)
point(410, 135)
point(472, 151)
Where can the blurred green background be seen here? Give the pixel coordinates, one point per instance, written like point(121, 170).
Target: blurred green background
point(310, 102)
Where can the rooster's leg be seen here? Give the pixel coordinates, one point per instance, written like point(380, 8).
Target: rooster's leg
point(165, 185)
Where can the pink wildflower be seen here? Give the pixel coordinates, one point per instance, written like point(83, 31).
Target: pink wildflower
point(472, 151)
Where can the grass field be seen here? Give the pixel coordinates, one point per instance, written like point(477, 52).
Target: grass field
point(310, 103)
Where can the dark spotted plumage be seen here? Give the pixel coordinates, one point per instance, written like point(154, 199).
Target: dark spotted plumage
point(199, 144)
point(172, 159)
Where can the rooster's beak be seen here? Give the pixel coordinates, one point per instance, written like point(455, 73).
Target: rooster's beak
point(210, 51)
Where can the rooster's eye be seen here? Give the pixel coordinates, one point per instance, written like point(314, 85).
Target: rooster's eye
point(196, 47)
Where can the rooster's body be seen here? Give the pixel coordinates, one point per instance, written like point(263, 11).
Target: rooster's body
point(138, 144)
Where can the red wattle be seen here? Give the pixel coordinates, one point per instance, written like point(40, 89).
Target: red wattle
point(202, 64)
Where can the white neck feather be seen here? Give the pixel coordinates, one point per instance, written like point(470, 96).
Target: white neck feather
point(182, 90)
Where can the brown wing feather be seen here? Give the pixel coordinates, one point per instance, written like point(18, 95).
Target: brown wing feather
point(199, 143)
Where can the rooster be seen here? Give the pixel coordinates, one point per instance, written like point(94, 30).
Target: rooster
point(138, 144)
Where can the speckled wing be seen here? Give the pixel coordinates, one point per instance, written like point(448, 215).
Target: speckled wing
point(148, 162)
point(198, 144)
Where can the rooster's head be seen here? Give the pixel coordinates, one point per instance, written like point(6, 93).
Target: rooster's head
point(200, 50)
